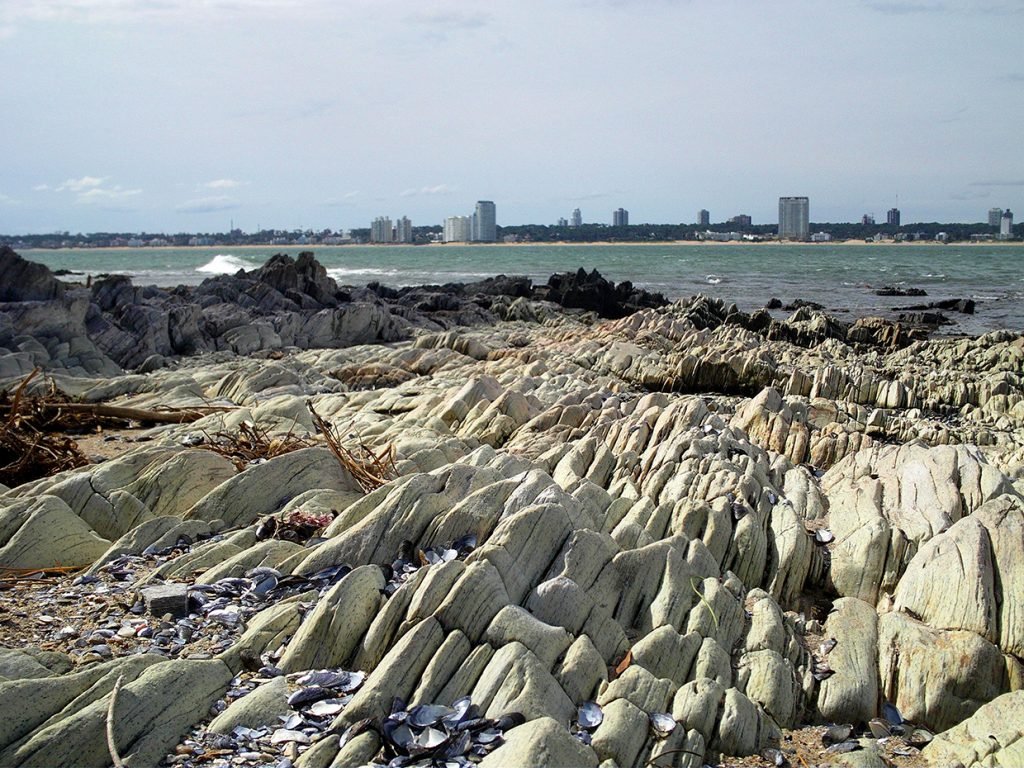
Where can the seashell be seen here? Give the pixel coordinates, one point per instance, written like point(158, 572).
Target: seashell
point(358, 727)
point(460, 745)
point(823, 536)
point(835, 734)
point(428, 714)
point(662, 724)
point(589, 715)
point(305, 696)
point(337, 680)
point(398, 734)
point(775, 757)
point(822, 672)
point(879, 728)
point(328, 707)
point(843, 747)
point(772, 498)
point(826, 647)
point(465, 544)
point(430, 738)
point(284, 736)
point(919, 737)
point(891, 714)
point(460, 708)
point(488, 736)
point(509, 721)
point(583, 736)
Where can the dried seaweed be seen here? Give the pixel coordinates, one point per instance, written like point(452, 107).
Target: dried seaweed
point(252, 444)
point(369, 468)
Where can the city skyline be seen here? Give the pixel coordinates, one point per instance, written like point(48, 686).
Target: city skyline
point(114, 129)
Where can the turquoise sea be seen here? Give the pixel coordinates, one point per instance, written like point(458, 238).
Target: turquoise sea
point(841, 277)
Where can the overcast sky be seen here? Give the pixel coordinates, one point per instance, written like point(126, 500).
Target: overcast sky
point(185, 115)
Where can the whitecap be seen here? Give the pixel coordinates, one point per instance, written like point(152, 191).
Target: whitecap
point(225, 264)
point(713, 279)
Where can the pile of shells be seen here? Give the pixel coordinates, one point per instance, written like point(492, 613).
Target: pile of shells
point(409, 561)
point(885, 729)
point(437, 736)
point(319, 696)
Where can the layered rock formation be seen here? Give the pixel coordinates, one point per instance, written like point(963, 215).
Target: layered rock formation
point(744, 524)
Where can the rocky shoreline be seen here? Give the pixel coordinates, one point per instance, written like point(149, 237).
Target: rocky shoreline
point(609, 530)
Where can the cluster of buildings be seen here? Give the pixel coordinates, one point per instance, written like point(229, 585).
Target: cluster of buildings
point(382, 231)
point(479, 227)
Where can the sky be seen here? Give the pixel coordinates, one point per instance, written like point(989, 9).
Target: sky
point(193, 115)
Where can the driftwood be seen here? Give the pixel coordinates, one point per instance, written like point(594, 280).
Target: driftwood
point(111, 744)
point(370, 469)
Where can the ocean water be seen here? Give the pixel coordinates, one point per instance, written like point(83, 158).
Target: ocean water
point(843, 278)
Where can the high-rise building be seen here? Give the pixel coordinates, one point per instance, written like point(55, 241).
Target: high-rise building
point(793, 218)
point(620, 218)
point(892, 217)
point(562, 222)
point(577, 218)
point(484, 226)
point(403, 230)
point(868, 219)
point(995, 217)
point(740, 220)
point(380, 230)
point(703, 218)
point(1006, 224)
point(458, 229)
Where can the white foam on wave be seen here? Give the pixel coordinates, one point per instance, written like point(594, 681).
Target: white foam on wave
point(713, 279)
point(225, 264)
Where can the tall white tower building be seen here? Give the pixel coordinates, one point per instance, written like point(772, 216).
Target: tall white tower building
point(794, 215)
point(484, 222)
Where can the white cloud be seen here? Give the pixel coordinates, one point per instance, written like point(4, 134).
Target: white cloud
point(438, 189)
point(222, 184)
point(82, 184)
point(8, 200)
point(41, 188)
point(99, 195)
point(207, 204)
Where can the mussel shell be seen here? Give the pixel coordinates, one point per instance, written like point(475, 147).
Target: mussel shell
point(425, 715)
point(835, 734)
point(774, 756)
point(305, 696)
point(328, 707)
point(589, 715)
point(466, 543)
point(431, 738)
point(509, 721)
point(488, 735)
point(662, 724)
point(823, 536)
point(919, 737)
point(460, 710)
point(843, 747)
point(879, 728)
point(459, 745)
point(891, 714)
point(285, 735)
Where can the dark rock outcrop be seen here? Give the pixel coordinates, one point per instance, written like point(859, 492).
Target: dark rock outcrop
point(23, 280)
point(583, 290)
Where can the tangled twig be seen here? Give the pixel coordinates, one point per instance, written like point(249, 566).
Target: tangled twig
point(371, 470)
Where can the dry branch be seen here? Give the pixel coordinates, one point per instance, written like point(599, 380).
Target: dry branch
point(370, 469)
